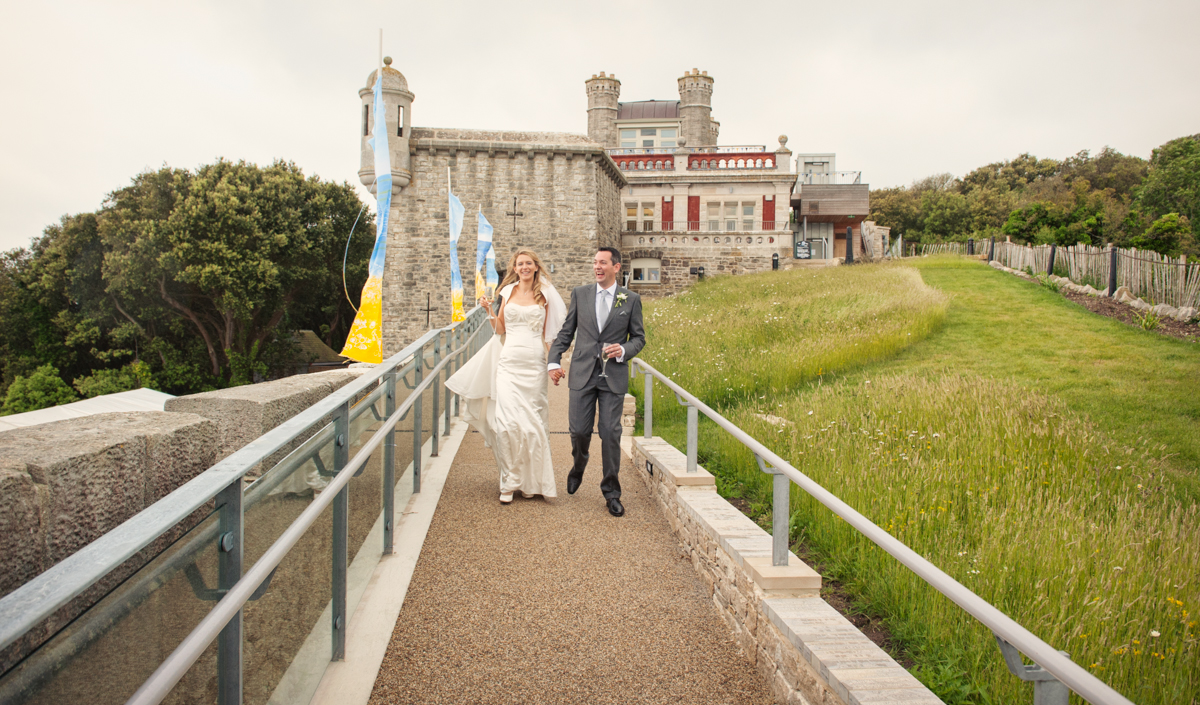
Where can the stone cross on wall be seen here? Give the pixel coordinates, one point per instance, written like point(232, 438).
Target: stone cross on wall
point(515, 214)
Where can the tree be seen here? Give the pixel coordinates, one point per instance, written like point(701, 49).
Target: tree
point(1169, 235)
point(41, 389)
point(1172, 184)
point(226, 254)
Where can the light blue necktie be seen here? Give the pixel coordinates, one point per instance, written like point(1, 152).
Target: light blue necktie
point(602, 308)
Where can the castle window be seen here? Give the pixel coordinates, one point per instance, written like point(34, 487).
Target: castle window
point(658, 165)
point(641, 240)
point(646, 270)
point(631, 217)
point(667, 134)
point(399, 120)
point(714, 217)
point(648, 143)
point(642, 165)
point(627, 144)
point(769, 165)
point(739, 241)
point(696, 164)
point(726, 241)
point(770, 239)
point(722, 163)
point(741, 164)
point(649, 132)
point(668, 143)
point(366, 120)
point(628, 139)
point(748, 216)
point(758, 163)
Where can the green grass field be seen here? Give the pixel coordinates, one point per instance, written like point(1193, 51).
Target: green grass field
point(1043, 456)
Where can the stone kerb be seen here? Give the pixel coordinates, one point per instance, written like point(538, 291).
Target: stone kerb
point(244, 413)
point(804, 649)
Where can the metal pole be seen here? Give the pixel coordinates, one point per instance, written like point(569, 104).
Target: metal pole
point(693, 437)
point(458, 364)
point(849, 245)
point(992, 250)
point(780, 513)
point(418, 362)
point(436, 416)
point(1112, 269)
point(389, 466)
point(230, 533)
point(1050, 266)
point(648, 406)
point(970, 246)
point(450, 338)
point(341, 531)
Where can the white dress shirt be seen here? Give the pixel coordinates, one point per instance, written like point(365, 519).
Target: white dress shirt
point(604, 303)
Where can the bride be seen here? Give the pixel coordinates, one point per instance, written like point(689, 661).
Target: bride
point(504, 386)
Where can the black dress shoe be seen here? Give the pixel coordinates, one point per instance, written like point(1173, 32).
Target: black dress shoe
point(615, 508)
point(573, 483)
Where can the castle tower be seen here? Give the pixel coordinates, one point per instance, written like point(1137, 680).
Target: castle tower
point(398, 108)
point(603, 94)
point(695, 109)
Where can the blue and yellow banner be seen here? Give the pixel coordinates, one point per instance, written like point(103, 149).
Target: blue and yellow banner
point(365, 341)
point(483, 248)
point(456, 285)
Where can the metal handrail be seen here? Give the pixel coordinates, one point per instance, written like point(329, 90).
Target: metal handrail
point(39, 598)
point(1005, 628)
point(175, 666)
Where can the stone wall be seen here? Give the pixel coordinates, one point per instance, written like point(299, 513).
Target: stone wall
point(66, 483)
point(803, 649)
point(717, 258)
point(566, 188)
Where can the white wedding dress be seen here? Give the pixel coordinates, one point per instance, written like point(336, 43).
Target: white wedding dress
point(504, 387)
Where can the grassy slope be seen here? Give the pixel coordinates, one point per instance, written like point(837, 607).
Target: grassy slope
point(1137, 386)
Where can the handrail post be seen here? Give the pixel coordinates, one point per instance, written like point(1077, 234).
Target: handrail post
point(459, 362)
point(230, 534)
point(1047, 690)
point(693, 436)
point(341, 531)
point(450, 337)
point(418, 372)
point(389, 465)
point(436, 416)
point(648, 405)
point(781, 511)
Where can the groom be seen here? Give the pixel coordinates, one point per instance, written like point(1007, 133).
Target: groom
point(602, 315)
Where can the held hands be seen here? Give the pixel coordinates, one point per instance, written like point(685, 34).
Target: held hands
point(556, 374)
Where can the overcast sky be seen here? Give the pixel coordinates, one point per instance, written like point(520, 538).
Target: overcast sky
point(96, 92)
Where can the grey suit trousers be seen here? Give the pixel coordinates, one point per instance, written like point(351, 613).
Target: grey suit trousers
point(582, 417)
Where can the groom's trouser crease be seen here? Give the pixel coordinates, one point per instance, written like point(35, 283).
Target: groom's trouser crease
point(556, 601)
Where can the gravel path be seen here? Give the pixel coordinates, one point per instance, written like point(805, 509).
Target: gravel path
point(555, 601)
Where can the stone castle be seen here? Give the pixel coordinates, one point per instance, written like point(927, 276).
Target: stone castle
point(648, 178)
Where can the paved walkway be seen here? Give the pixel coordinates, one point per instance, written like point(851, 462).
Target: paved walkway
point(555, 601)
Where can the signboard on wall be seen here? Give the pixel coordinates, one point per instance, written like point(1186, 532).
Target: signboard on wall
point(801, 249)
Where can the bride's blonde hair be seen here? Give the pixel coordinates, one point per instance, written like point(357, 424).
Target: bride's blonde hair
point(539, 275)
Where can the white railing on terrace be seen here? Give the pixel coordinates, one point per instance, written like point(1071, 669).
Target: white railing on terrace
point(809, 178)
point(734, 149)
point(1052, 669)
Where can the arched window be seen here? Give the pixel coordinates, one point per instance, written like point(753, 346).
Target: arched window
point(695, 164)
point(726, 241)
point(741, 164)
point(642, 165)
point(657, 165)
point(770, 239)
point(641, 240)
point(739, 241)
point(722, 163)
point(769, 165)
point(760, 240)
point(757, 163)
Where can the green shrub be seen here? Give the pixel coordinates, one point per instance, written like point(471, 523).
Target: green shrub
point(41, 389)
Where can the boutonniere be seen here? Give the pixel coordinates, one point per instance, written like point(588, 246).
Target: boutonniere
point(620, 300)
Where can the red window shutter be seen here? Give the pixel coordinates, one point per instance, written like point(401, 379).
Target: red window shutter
point(768, 212)
point(693, 213)
point(668, 213)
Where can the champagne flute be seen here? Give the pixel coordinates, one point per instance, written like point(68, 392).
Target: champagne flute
point(604, 359)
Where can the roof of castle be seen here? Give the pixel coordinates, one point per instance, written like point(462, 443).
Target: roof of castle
point(392, 80)
point(648, 109)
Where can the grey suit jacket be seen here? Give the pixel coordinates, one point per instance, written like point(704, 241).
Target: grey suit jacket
point(624, 326)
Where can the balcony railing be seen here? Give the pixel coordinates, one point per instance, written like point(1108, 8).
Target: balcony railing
point(809, 178)
point(728, 149)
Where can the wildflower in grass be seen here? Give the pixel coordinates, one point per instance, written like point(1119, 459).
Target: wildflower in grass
point(1154, 633)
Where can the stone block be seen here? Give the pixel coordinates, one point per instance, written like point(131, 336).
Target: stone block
point(22, 541)
point(242, 414)
point(90, 474)
point(795, 577)
point(670, 465)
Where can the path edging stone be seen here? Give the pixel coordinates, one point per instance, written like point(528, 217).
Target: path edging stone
point(805, 650)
